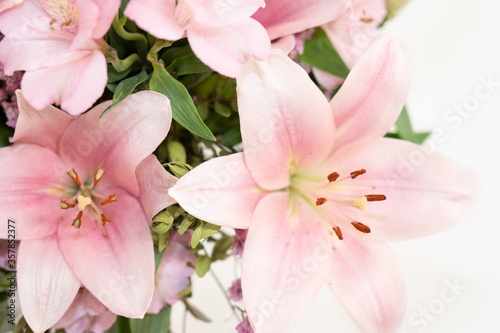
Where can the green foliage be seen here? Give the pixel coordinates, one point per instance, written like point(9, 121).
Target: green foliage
point(152, 323)
point(221, 247)
point(320, 53)
point(202, 265)
point(405, 131)
point(125, 88)
point(183, 109)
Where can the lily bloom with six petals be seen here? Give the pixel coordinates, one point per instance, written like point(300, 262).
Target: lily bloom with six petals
point(321, 190)
point(82, 193)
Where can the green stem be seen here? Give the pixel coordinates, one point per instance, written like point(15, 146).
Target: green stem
point(122, 65)
point(141, 42)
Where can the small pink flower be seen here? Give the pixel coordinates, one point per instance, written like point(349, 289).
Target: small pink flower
point(82, 193)
point(59, 45)
point(239, 241)
point(235, 292)
point(321, 190)
point(244, 326)
point(220, 32)
point(173, 273)
point(86, 314)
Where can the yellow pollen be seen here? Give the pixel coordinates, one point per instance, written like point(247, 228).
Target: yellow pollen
point(83, 202)
point(360, 203)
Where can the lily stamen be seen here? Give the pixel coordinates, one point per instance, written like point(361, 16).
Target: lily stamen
point(333, 176)
point(361, 227)
point(110, 199)
point(375, 197)
point(66, 205)
point(338, 232)
point(77, 223)
point(72, 173)
point(320, 201)
point(357, 173)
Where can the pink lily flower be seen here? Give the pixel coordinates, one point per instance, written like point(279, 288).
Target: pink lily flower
point(59, 44)
point(287, 17)
point(173, 273)
point(220, 32)
point(351, 34)
point(82, 193)
point(86, 314)
point(321, 190)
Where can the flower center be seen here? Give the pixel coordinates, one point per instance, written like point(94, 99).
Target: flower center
point(339, 196)
point(87, 197)
point(63, 12)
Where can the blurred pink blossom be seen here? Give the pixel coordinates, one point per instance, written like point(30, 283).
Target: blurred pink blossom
point(173, 273)
point(86, 314)
point(235, 292)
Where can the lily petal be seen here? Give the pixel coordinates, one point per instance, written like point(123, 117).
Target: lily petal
point(136, 126)
point(373, 94)
point(426, 192)
point(41, 127)
point(156, 17)
point(285, 120)
point(220, 191)
point(75, 85)
point(107, 10)
point(122, 260)
point(222, 12)
point(225, 49)
point(154, 182)
point(28, 195)
point(47, 287)
point(366, 279)
point(286, 260)
point(286, 17)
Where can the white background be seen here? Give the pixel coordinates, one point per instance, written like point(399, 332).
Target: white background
point(453, 44)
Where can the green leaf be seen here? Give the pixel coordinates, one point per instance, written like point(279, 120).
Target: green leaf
point(221, 247)
point(393, 7)
point(404, 128)
point(320, 53)
point(421, 137)
point(183, 109)
point(158, 257)
point(195, 239)
point(208, 230)
point(121, 326)
point(179, 169)
point(186, 224)
point(162, 241)
point(231, 137)
point(152, 323)
point(202, 265)
point(125, 88)
point(195, 312)
point(176, 151)
point(114, 76)
point(222, 109)
point(189, 64)
point(162, 222)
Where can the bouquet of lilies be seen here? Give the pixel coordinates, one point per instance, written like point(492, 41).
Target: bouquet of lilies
point(144, 140)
